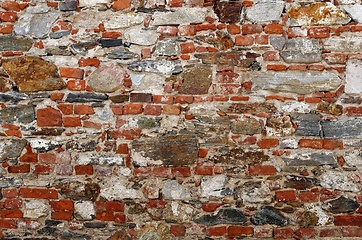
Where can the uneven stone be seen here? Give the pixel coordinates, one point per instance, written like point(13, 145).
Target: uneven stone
point(174, 191)
point(95, 224)
point(92, 3)
point(20, 113)
point(85, 97)
point(277, 42)
point(167, 47)
point(82, 48)
point(125, 20)
point(76, 190)
point(288, 144)
point(81, 146)
point(342, 129)
point(254, 192)
point(121, 53)
point(311, 159)
point(58, 50)
point(196, 80)
point(344, 44)
point(228, 12)
point(119, 98)
point(296, 107)
point(43, 145)
point(107, 78)
point(317, 14)
point(70, 235)
point(32, 74)
point(341, 205)
point(99, 159)
point(354, 11)
point(48, 131)
point(106, 43)
point(247, 126)
point(265, 11)
point(279, 126)
point(169, 150)
point(268, 215)
point(15, 43)
point(250, 108)
point(308, 125)
point(10, 182)
point(122, 190)
point(213, 186)
point(59, 34)
point(148, 123)
point(308, 219)
point(154, 66)
point(148, 83)
point(353, 76)
point(13, 97)
point(67, 5)
point(301, 50)
point(338, 180)
point(11, 149)
point(300, 182)
point(219, 39)
point(234, 58)
point(180, 16)
point(35, 209)
point(6, 84)
point(224, 216)
point(330, 108)
point(300, 82)
point(239, 156)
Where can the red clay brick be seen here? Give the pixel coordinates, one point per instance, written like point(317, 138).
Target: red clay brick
point(38, 193)
point(211, 207)
point(283, 233)
point(251, 28)
point(24, 168)
point(178, 230)
point(83, 169)
point(244, 40)
point(274, 28)
point(268, 143)
point(181, 171)
point(286, 196)
point(348, 220)
point(261, 170)
point(311, 143)
point(62, 215)
point(71, 72)
point(216, 231)
point(62, 205)
point(49, 117)
point(234, 231)
point(11, 213)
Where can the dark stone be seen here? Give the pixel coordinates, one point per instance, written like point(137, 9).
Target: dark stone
point(341, 205)
point(342, 129)
point(218, 39)
point(224, 216)
point(39, 95)
point(59, 34)
point(268, 215)
point(58, 50)
point(239, 156)
point(156, 66)
point(171, 150)
point(75, 190)
point(11, 149)
point(308, 219)
point(81, 146)
point(308, 125)
point(47, 146)
point(48, 231)
point(13, 97)
point(119, 98)
point(311, 159)
point(52, 223)
point(10, 182)
point(69, 235)
point(21, 113)
point(33, 74)
point(110, 42)
point(147, 123)
point(140, 97)
point(196, 80)
point(247, 126)
point(15, 43)
point(330, 108)
point(228, 12)
point(6, 84)
point(95, 224)
point(235, 58)
point(122, 53)
point(82, 48)
point(351, 100)
point(48, 131)
point(86, 97)
point(67, 5)
point(251, 108)
point(300, 182)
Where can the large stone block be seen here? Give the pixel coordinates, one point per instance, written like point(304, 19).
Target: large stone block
point(219, 39)
point(301, 50)
point(228, 12)
point(180, 16)
point(265, 11)
point(156, 66)
point(355, 11)
point(15, 43)
point(353, 76)
point(196, 80)
point(249, 108)
point(348, 43)
point(338, 180)
point(11, 149)
point(236, 58)
point(107, 78)
point(311, 159)
point(140, 36)
point(21, 113)
point(342, 129)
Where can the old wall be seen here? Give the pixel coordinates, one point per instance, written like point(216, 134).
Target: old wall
point(180, 119)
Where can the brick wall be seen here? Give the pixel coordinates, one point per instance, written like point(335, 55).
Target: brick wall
point(180, 119)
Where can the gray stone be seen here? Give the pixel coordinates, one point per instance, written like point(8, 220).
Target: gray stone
point(353, 76)
point(196, 80)
point(77, 190)
point(341, 205)
point(277, 42)
point(300, 182)
point(70, 235)
point(15, 43)
point(83, 47)
point(100, 159)
point(342, 129)
point(148, 123)
point(84, 210)
point(180, 16)
point(122, 20)
point(265, 11)
point(353, 157)
point(355, 11)
point(121, 53)
point(156, 66)
point(58, 50)
point(300, 82)
point(213, 186)
point(59, 34)
point(172, 190)
point(13, 97)
point(86, 97)
point(308, 125)
point(107, 78)
point(35, 209)
point(288, 143)
point(11, 149)
point(344, 44)
point(67, 5)
point(122, 190)
point(339, 181)
point(301, 50)
point(233, 58)
point(167, 47)
point(310, 15)
point(247, 126)
point(36, 22)
point(148, 83)
point(269, 215)
point(106, 43)
point(95, 224)
point(9, 182)
point(169, 150)
point(224, 216)
point(254, 192)
point(140, 36)
point(43, 145)
point(311, 159)
point(92, 3)
point(20, 113)
point(81, 145)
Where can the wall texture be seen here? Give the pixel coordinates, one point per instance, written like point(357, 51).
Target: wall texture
point(180, 119)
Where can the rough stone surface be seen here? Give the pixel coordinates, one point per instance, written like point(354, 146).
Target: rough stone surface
point(107, 78)
point(250, 108)
point(353, 76)
point(342, 129)
point(354, 11)
point(311, 159)
point(122, 190)
point(167, 47)
point(99, 159)
point(248, 126)
point(77, 190)
point(140, 36)
point(21, 113)
point(219, 39)
point(240, 59)
point(337, 180)
point(92, 3)
point(254, 192)
point(175, 191)
point(224, 216)
point(148, 83)
point(301, 183)
point(301, 50)
point(279, 126)
point(11, 149)
point(228, 12)
point(84, 210)
point(85, 97)
point(15, 43)
point(344, 44)
point(213, 186)
point(162, 66)
point(35, 209)
point(196, 80)
point(32, 74)
point(268, 215)
point(341, 205)
point(180, 16)
point(265, 11)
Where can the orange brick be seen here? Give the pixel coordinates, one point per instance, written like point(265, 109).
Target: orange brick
point(11, 6)
point(62, 215)
point(181, 171)
point(49, 117)
point(276, 67)
point(268, 143)
point(121, 4)
point(178, 230)
point(6, 28)
point(24, 168)
point(244, 40)
point(332, 144)
point(113, 35)
point(274, 28)
point(251, 28)
point(84, 62)
point(233, 29)
point(311, 143)
point(72, 122)
point(261, 170)
point(71, 72)
point(186, 30)
point(62, 205)
point(216, 231)
point(262, 39)
point(38, 193)
point(188, 47)
point(83, 109)
point(271, 56)
point(286, 196)
point(8, 16)
point(211, 207)
point(240, 231)
point(14, 213)
point(132, 108)
point(318, 32)
point(76, 85)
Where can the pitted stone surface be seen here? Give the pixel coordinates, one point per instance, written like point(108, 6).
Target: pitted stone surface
point(107, 78)
point(196, 80)
point(180, 16)
point(353, 76)
point(140, 36)
point(162, 66)
point(338, 180)
point(15, 43)
point(265, 11)
point(269, 215)
point(344, 44)
point(301, 50)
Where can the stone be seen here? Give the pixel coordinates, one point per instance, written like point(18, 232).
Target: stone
point(250, 108)
point(330, 108)
point(70, 235)
point(277, 42)
point(49, 231)
point(58, 50)
point(35, 209)
point(11, 149)
point(254, 192)
point(239, 156)
point(84, 210)
point(86, 97)
point(348, 43)
point(92, 3)
point(301, 50)
point(43, 145)
point(15, 43)
point(341, 205)
point(122, 20)
point(246, 126)
point(148, 123)
point(311, 159)
point(228, 12)
point(95, 224)
point(168, 150)
point(353, 76)
point(353, 157)
point(10, 182)
point(100, 159)
point(213, 186)
point(122, 190)
point(83, 47)
point(218, 39)
point(342, 129)
point(279, 126)
point(107, 78)
point(354, 11)
point(345, 2)
point(148, 83)
point(120, 235)
point(269, 215)
point(13, 97)
point(140, 36)
point(180, 16)
point(265, 11)
point(81, 145)
point(36, 21)
point(33, 74)
point(20, 113)
point(308, 125)
point(339, 181)
point(156, 66)
point(178, 212)
point(224, 216)
point(300, 82)
point(59, 34)
point(308, 219)
point(300, 182)
point(196, 80)
point(77, 190)
point(172, 190)
point(48, 131)
point(234, 58)
point(119, 98)
point(167, 47)
point(317, 14)
point(296, 107)
point(122, 53)
point(106, 43)
point(288, 143)
point(67, 5)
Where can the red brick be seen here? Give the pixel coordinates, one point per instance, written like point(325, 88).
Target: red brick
point(298, 67)
point(152, 110)
point(262, 39)
point(251, 28)
point(202, 153)
point(263, 232)
point(65, 108)
point(205, 27)
point(90, 124)
point(268, 143)
point(142, 171)
point(8, 16)
point(274, 28)
point(25, 168)
point(14, 203)
point(132, 108)
point(312, 100)
point(318, 32)
point(276, 67)
point(316, 67)
point(271, 56)
point(283, 233)
point(146, 53)
point(244, 40)
point(72, 122)
point(332, 144)
point(181, 171)
point(121, 4)
point(84, 62)
point(352, 232)
point(6, 223)
point(6, 28)
point(353, 111)
point(62, 205)
point(335, 58)
point(11, 6)
point(234, 231)
point(233, 29)
point(311, 143)
point(211, 207)
point(186, 30)
point(10, 192)
point(83, 109)
point(119, 218)
point(216, 231)
point(42, 169)
point(83, 170)
point(113, 35)
point(11, 213)
point(105, 216)
point(175, 3)
point(71, 72)
point(49, 117)
point(76, 85)
point(122, 149)
point(203, 170)
point(62, 215)
point(114, 206)
point(155, 203)
point(262, 170)
point(348, 220)
point(38, 193)
point(330, 232)
point(29, 157)
point(162, 99)
point(187, 47)
point(184, 99)
point(286, 196)
point(178, 230)
point(309, 196)
point(161, 172)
